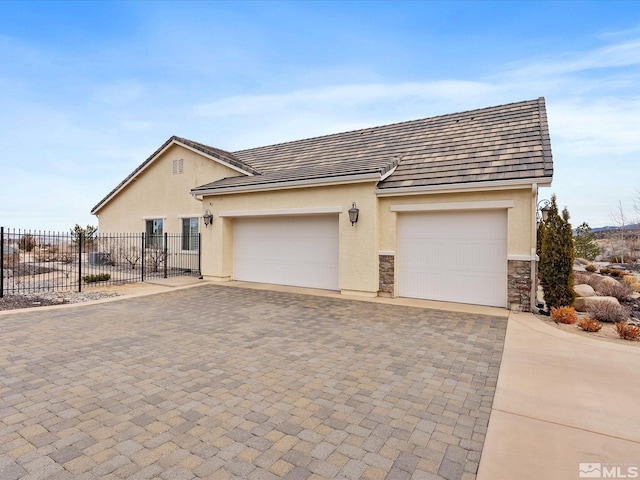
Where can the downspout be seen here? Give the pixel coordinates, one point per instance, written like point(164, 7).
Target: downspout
point(534, 257)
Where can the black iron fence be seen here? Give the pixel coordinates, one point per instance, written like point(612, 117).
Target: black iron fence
point(36, 261)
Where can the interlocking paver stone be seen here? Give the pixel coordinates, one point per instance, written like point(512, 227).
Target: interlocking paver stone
point(264, 385)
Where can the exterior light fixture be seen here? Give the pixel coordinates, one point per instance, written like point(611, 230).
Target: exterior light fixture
point(353, 214)
point(543, 210)
point(208, 218)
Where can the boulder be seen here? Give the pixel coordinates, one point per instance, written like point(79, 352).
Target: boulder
point(582, 303)
point(583, 290)
point(610, 281)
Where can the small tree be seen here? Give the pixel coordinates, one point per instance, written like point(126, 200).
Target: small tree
point(586, 245)
point(86, 235)
point(27, 242)
point(556, 259)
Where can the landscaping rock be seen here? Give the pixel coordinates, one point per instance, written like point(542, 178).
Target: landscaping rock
point(583, 290)
point(610, 281)
point(582, 303)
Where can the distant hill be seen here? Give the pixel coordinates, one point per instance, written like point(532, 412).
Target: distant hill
point(634, 226)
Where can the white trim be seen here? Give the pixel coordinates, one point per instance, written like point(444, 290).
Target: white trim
point(435, 207)
point(156, 217)
point(281, 211)
point(280, 185)
point(387, 252)
point(195, 215)
point(210, 157)
point(462, 187)
point(388, 174)
point(523, 258)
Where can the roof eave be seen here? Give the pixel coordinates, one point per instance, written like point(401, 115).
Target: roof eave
point(285, 185)
point(465, 187)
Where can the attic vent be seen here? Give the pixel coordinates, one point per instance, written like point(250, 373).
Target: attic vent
point(178, 166)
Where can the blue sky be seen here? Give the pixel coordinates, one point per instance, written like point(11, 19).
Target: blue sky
point(90, 89)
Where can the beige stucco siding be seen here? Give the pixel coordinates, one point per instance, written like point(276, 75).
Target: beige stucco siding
point(358, 271)
point(519, 217)
point(157, 192)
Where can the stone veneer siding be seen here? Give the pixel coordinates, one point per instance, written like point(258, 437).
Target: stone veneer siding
point(387, 273)
point(519, 284)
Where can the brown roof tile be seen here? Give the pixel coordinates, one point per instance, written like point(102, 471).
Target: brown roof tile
point(507, 142)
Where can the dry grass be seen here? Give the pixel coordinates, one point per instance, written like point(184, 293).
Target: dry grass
point(608, 312)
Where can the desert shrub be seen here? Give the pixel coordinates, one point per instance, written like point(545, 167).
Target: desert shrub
point(608, 312)
point(631, 281)
point(628, 332)
point(27, 243)
point(605, 271)
point(590, 268)
point(590, 325)
point(100, 277)
point(616, 273)
point(621, 291)
point(564, 315)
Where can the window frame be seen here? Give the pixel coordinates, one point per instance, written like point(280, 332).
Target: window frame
point(194, 223)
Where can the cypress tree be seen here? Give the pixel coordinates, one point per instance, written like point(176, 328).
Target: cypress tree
point(556, 259)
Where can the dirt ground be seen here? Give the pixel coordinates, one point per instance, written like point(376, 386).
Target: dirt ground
point(12, 302)
point(607, 334)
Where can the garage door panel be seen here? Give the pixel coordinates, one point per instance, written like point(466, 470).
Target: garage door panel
point(298, 251)
point(453, 256)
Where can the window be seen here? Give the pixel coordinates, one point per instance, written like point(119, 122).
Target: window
point(178, 166)
point(154, 232)
point(190, 228)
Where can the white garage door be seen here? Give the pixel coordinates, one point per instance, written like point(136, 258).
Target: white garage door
point(454, 256)
point(288, 250)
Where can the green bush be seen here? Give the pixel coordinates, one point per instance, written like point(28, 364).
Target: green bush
point(585, 242)
point(556, 259)
point(100, 277)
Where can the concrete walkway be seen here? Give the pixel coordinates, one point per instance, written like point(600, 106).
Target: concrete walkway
point(563, 400)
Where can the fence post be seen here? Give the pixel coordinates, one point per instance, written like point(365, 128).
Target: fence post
point(199, 255)
point(142, 274)
point(165, 254)
point(1, 262)
point(80, 263)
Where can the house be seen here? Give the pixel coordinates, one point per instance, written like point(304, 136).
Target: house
point(446, 207)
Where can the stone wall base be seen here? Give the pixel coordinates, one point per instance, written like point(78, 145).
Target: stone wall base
point(386, 269)
point(519, 284)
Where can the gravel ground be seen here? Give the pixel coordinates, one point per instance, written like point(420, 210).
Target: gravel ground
point(12, 302)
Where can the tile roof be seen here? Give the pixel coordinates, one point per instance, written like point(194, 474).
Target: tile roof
point(507, 142)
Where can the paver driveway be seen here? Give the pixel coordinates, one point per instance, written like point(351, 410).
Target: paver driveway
point(223, 382)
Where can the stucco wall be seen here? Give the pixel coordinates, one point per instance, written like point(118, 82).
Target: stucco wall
point(358, 243)
point(158, 193)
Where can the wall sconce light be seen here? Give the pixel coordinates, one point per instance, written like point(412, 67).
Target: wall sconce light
point(208, 218)
point(353, 214)
point(543, 210)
